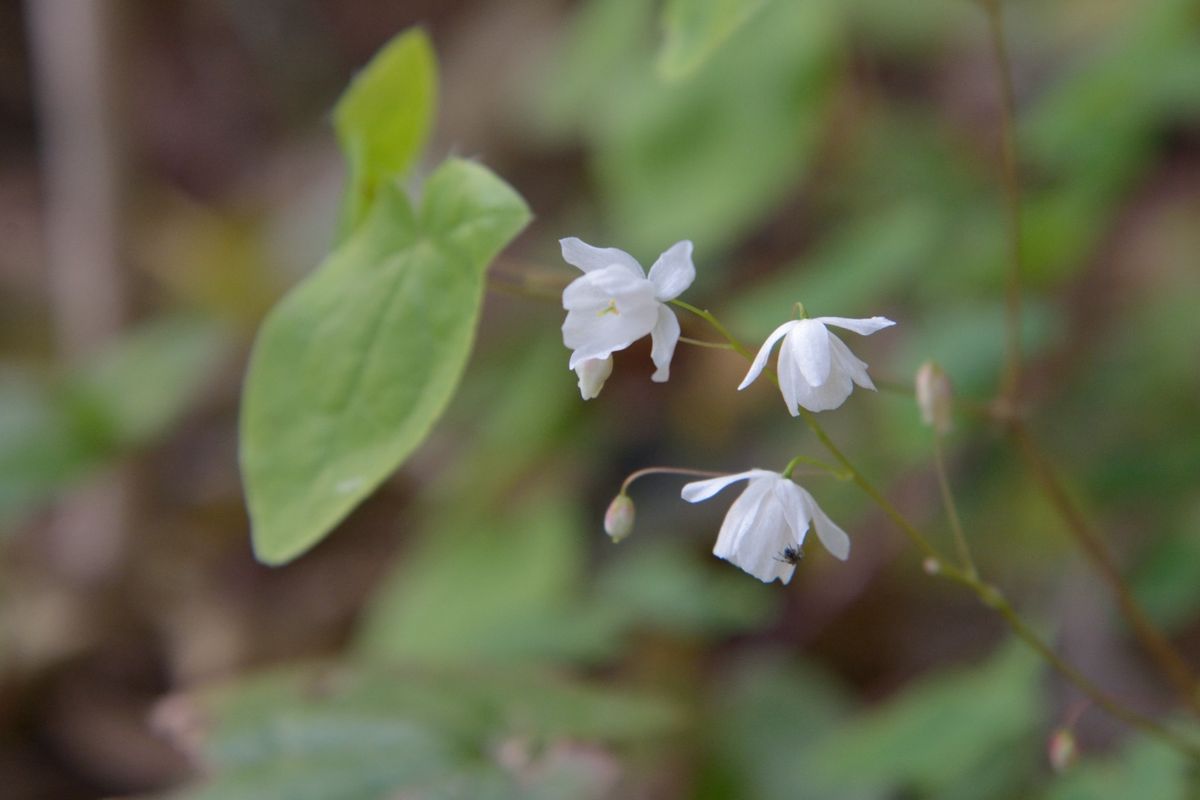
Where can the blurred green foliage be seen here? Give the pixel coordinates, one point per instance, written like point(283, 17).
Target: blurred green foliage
point(349, 732)
point(55, 430)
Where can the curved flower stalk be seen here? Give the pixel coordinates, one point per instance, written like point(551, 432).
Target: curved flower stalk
point(766, 526)
point(816, 368)
point(614, 303)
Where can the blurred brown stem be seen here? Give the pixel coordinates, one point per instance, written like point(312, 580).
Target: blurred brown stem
point(1172, 664)
point(72, 56)
point(1011, 376)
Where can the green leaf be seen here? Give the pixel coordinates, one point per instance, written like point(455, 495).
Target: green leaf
point(940, 731)
point(705, 159)
point(767, 714)
point(503, 585)
point(353, 367)
point(696, 28)
point(354, 731)
point(383, 119)
point(662, 586)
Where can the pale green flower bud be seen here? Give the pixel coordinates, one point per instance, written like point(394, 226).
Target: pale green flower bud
point(618, 519)
point(935, 397)
point(1062, 749)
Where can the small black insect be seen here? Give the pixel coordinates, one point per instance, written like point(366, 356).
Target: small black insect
point(791, 555)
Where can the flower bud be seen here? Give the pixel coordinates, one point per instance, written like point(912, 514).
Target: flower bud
point(618, 519)
point(1062, 749)
point(931, 566)
point(935, 397)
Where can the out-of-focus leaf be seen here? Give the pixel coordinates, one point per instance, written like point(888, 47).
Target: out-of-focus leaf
point(659, 586)
point(1144, 769)
point(484, 584)
point(352, 368)
point(915, 32)
point(768, 715)
point(591, 66)
point(138, 386)
point(383, 119)
point(368, 732)
point(1167, 582)
point(516, 410)
point(696, 28)
point(849, 271)
point(52, 432)
point(37, 451)
point(939, 730)
point(973, 353)
point(706, 158)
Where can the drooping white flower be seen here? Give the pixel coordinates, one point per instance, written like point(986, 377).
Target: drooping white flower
point(614, 303)
point(768, 523)
point(816, 369)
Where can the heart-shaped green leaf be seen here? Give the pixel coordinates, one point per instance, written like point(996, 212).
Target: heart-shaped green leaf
point(353, 367)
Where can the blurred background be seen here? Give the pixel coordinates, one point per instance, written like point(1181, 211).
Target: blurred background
point(167, 170)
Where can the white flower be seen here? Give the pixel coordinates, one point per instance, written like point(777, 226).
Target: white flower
point(614, 304)
point(771, 516)
point(816, 369)
point(592, 374)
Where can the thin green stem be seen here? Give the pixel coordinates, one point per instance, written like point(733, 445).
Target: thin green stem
point(1011, 376)
point(703, 314)
point(830, 469)
point(702, 343)
point(960, 538)
point(641, 473)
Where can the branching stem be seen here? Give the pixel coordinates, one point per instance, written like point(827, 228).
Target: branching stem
point(988, 594)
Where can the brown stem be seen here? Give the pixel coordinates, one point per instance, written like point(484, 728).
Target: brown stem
point(1011, 376)
point(1168, 659)
point(1083, 683)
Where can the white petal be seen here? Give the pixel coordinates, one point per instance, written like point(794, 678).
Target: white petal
point(862, 326)
point(595, 289)
point(580, 254)
point(607, 311)
point(850, 364)
point(796, 510)
point(592, 374)
point(754, 532)
point(826, 397)
point(764, 353)
point(792, 385)
point(834, 538)
point(673, 271)
point(698, 491)
point(664, 337)
point(808, 346)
